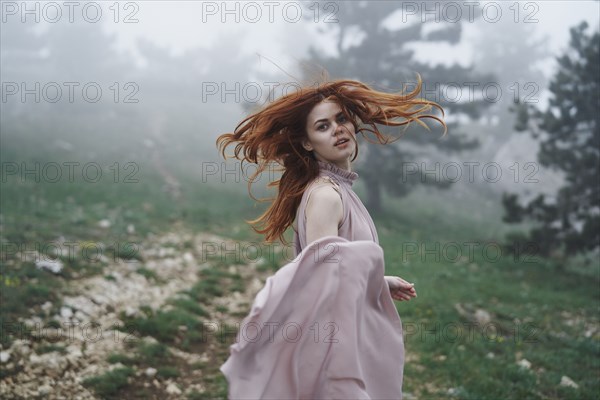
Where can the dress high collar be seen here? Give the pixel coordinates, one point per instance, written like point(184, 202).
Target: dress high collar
point(333, 170)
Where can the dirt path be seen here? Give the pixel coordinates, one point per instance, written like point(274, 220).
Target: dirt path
point(90, 314)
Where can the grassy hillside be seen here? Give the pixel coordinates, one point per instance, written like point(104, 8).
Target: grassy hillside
point(484, 325)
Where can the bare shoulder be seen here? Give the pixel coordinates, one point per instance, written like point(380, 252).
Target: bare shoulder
point(325, 190)
point(324, 206)
point(324, 212)
point(323, 181)
point(325, 194)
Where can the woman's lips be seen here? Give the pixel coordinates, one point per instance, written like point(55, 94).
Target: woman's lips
point(342, 144)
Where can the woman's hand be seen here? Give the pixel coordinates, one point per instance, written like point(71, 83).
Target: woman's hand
point(400, 289)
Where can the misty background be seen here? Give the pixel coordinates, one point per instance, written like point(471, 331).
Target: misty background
point(189, 76)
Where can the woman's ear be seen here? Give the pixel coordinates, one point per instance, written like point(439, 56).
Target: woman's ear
point(307, 146)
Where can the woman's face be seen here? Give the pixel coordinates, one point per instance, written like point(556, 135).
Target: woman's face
point(326, 124)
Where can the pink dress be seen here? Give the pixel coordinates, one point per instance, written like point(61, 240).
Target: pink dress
point(324, 326)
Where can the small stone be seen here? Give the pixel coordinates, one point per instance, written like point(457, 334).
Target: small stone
point(54, 266)
point(80, 316)
point(4, 356)
point(150, 372)
point(104, 223)
point(568, 382)
point(117, 365)
point(98, 299)
point(45, 389)
point(483, 317)
point(173, 389)
point(74, 353)
point(130, 311)
point(490, 355)
point(524, 363)
point(46, 307)
point(66, 312)
point(188, 257)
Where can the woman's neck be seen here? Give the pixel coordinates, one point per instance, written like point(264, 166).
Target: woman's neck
point(345, 165)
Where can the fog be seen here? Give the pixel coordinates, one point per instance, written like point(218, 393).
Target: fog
point(107, 82)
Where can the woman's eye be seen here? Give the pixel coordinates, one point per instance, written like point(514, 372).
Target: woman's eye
point(321, 126)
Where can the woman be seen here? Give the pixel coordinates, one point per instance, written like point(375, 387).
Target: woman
point(312, 133)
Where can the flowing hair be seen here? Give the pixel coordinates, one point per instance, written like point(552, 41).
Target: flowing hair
point(273, 135)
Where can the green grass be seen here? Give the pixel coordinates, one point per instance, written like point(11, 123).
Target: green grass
point(21, 290)
point(110, 383)
point(148, 274)
point(162, 325)
point(140, 356)
point(212, 283)
point(36, 213)
point(527, 297)
point(48, 348)
point(542, 309)
point(120, 358)
point(189, 305)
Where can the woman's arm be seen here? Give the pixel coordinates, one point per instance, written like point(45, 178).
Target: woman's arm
point(323, 213)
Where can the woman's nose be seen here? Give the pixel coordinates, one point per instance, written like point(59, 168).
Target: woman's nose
point(338, 128)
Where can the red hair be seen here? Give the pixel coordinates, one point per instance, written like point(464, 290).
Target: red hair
point(274, 135)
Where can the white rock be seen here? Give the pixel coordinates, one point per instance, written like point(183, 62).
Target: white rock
point(483, 317)
point(21, 347)
point(66, 312)
point(34, 322)
point(54, 266)
point(45, 389)
point(524, 363)
point(568, 382)
point(46, 307)
point(80, 316)
point(150, 372)
point(74, 351)
point(114, 366)
point(490, 355)
point(104, 223)
point(188, 257)
point(98, 299)
point(130, 229)
point(173, 389)
point(4, 356)
point(130, 311)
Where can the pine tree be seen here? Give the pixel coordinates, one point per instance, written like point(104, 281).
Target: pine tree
point(383, 59)
point(569, 135)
